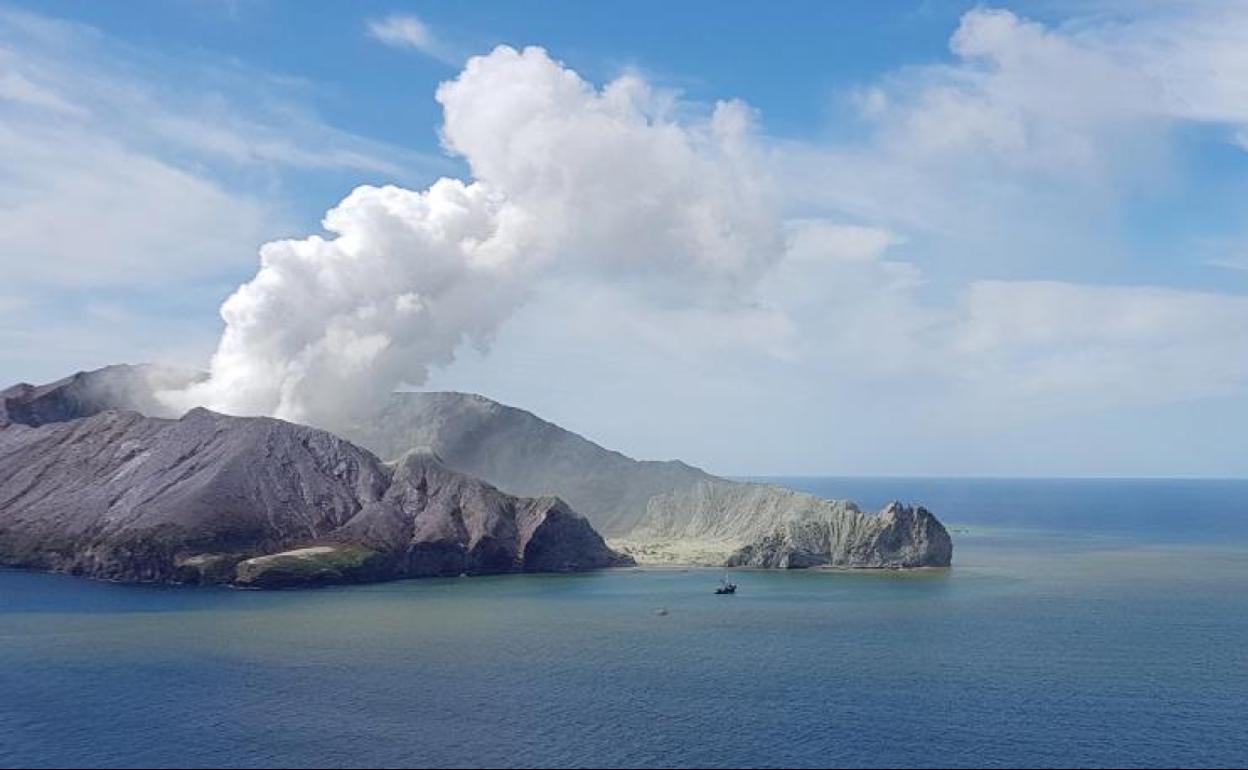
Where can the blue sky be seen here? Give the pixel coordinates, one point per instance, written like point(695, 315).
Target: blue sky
point(1003, 239)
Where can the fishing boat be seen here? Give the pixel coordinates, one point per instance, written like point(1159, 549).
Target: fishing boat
point(726, 587)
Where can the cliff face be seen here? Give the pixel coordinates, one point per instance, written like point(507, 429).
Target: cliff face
point(210, 498)
point(898, 537)
point(444, 522)
point(762, 525)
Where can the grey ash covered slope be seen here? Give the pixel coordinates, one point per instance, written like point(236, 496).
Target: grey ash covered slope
point(257, 501)
point(524, 454)
point(660, 511)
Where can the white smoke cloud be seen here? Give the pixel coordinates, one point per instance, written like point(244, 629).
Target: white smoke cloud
point(619, 183)
point(620, 219)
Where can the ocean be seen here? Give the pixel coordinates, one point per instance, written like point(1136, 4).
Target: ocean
point(1084, 623)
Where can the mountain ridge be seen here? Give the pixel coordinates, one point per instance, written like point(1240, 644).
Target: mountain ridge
point(260, 502)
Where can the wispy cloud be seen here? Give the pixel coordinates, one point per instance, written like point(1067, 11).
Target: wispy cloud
point(407, 31)
point(207, 110)
point(14, 87)
point(111, 173)
point(1237, 262)
point(123, 170)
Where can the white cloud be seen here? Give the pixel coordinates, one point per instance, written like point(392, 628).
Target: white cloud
point(1234, 262)
point(617, 183)
point(109, 176)
point(569, 182)
point(124, 172)
point(1064, 100)
point(1098, 346)
point(632, 220)
point(1033, 139)
point(17, 88)
point(407, 31)
point(1050, 346)
point(848, 367)
point(187, 112)
point(618, 244)
point(84, 211)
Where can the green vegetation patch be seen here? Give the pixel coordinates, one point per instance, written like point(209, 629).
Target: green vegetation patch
point(315, 565)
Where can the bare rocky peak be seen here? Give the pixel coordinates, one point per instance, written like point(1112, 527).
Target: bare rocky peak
point(123, 386)
point(211, 498)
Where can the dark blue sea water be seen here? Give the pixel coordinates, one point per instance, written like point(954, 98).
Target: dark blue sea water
point(1085, 623)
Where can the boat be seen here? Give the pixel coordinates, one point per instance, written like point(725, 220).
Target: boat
point(726, 587)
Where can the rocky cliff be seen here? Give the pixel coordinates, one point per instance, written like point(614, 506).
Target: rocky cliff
point(444, 522)
point(261, 502)
point(763, 525)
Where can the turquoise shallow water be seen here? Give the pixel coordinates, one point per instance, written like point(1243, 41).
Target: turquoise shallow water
point(1082, 639)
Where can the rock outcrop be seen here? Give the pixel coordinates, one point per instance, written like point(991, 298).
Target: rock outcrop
point(899, 537)
point(260, 502)
point(763, 525)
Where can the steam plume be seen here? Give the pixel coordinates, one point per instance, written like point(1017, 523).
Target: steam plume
point(612, 184)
